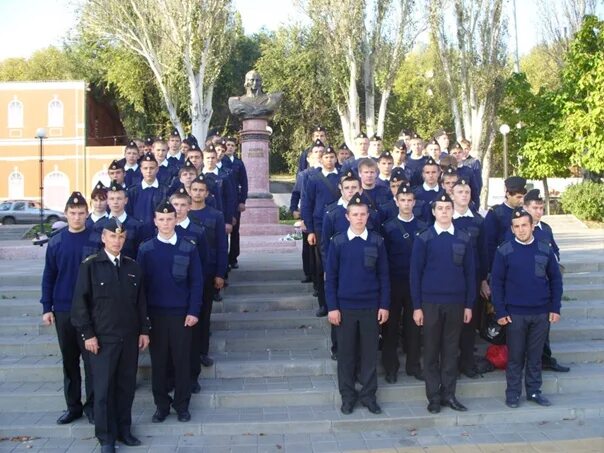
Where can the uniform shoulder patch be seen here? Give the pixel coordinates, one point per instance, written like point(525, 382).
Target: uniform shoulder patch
point(544, 246)
point(90, 258)
point(186, 245)
point(338, 237)
point(506, 248)
point(426, 234)
point(463, 235)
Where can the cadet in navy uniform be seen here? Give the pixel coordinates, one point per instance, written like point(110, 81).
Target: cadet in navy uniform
point(321, 191)
point(373, 195)
point(428, 191)
point(65, 252)
point(97, 218)
point(221, 180)
point(175, 156)
point(399, 233)
point(239, 172)
point(212, 221)
point(389, 209)
point(117, 199)
point(361, 151)
point(526, 287)
point(173, 287)
point(472, 223)
point(131, 168)
point(443, 290)
point(358, 297)
point(318, 133)
point(109, 311)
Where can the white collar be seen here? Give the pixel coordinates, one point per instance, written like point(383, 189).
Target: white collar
point(130, 167)
point(185, 223)
point(427, 188)
point(165, 163)
point(343, 203)
point(450, 230)
point(175, 156)
point(112, 257)
point(411, 156)
point(215, 171)
point(95, 218)
point(525, 243)
point(457, 215)
point(400, 166)
point(384, 178)
point(406, 221)
point(153, 184)
point(538, 225)
point(232, 158)
point(352, 235)
point(219, 164)
point(121, 218)
point(172, 239)
point(327, 173)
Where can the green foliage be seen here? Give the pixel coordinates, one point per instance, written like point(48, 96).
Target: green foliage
point(290, 63)
point(541, 69)
point(285, 214)
point(51, 63)
point(585, 200)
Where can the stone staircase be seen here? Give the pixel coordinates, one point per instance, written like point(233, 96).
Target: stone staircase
point(273, 373)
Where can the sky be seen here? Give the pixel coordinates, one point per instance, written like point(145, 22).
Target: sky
point(28, 25)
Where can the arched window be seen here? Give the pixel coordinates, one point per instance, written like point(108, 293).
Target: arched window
point(102, 176)
point(16, 184)
point(15, 114)
point(56, 189)
point(55, 113)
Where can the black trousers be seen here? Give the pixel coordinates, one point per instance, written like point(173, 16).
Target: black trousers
point(72, 347)
point(442, 327)
point(170, 345)
point(546, 357)
point(200, 336)
point(364, 325)
point(318, 277)
point(114, 369)
point(467, 339)
point(234, 243)
point(400, 306)
point(306, 256)
point(525, 338)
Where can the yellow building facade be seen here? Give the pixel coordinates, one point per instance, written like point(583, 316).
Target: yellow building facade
point(68, 164)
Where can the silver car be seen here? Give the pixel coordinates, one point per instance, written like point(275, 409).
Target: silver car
point(26, 211)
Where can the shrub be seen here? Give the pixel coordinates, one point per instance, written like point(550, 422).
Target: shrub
point(585, 201)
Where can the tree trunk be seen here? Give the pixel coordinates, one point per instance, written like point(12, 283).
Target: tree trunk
point(546, 195)
point(382, 111)
point(368, 79)
point(486, 169)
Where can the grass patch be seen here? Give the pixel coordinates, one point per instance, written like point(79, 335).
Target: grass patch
point(287, 222)
point(568, 299)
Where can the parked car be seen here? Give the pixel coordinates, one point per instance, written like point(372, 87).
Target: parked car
point(26, 211)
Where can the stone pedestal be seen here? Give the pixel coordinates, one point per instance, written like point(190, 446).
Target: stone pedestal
point(261, 215)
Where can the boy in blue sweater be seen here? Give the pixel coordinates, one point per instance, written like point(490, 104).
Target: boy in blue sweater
point(373, 195)
point(143, 197)
point(117, 199)
point(399, 234)
point(65, 252)
point(526, 287)
point(443, 290)
point(357, 289)
point(426, 193)
point(173, 284)
point(98, 217)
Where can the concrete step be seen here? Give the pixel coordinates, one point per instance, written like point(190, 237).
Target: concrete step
point(300, 390)
point(577, 330)
point(584, 278)
point(314, 419)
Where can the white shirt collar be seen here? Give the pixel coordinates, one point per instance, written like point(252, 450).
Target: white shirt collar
point(215, 171)
point(525, 243)
point(175, 156)
point(427, 188)
point(400, 166)
point(538, 225)
point(112, 257)
point(411, 156)
point(231, 158)
point(153, 184)
point(165, 163)
point(130, 167)
point(219, 164)
point(342, 202)
point(326, 173)
point(122, 218)
point(185, 223)
point(352, 235)
point(457, 215)
point(384, 178)
point(450, 230)
point(406, 221)
point(172, 240)
point(95, 218)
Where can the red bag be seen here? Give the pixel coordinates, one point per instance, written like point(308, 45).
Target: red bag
point(498, 356)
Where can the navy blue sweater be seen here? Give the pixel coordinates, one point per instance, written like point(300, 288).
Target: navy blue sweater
point(320, 192)
point(196, 234)
point(525, 279)
point(496, 225)
point(239, 173)
point(356, 275)
point(173, 277)
point(442, 269)
point(399, 236)
point(64, 254)
point(377, 196)
point(474, 227)
point(423, 203)
point(213, 223)
point(141, 203)
point(543, 232)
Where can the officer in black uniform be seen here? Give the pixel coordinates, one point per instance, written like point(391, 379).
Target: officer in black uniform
point(109, 311)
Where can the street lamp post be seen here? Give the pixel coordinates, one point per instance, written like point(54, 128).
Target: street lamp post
point(41, 135)
point(505, 130)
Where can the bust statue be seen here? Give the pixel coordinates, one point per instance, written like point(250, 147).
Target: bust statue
point(255, 103)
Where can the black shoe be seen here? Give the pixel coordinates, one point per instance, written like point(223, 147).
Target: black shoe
point(419, 375)
point(217, 297)
point(315, 293)
point(90, 416)
point(195, 387)
point(512, 402)
point(373, 407)
point(68, 417)
point(334, 356)
point(160, 415)
point(321, 312)
point(184, 416)
point(454, 404)
point(555, 366)
point(347, 407)
point(207, 361)
point(539, 399)
point(391, 378)
point(434, 408)
point(470, 374)
point(234, 265)
point(107, 448)
point(306, 279)
point(129, 440)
